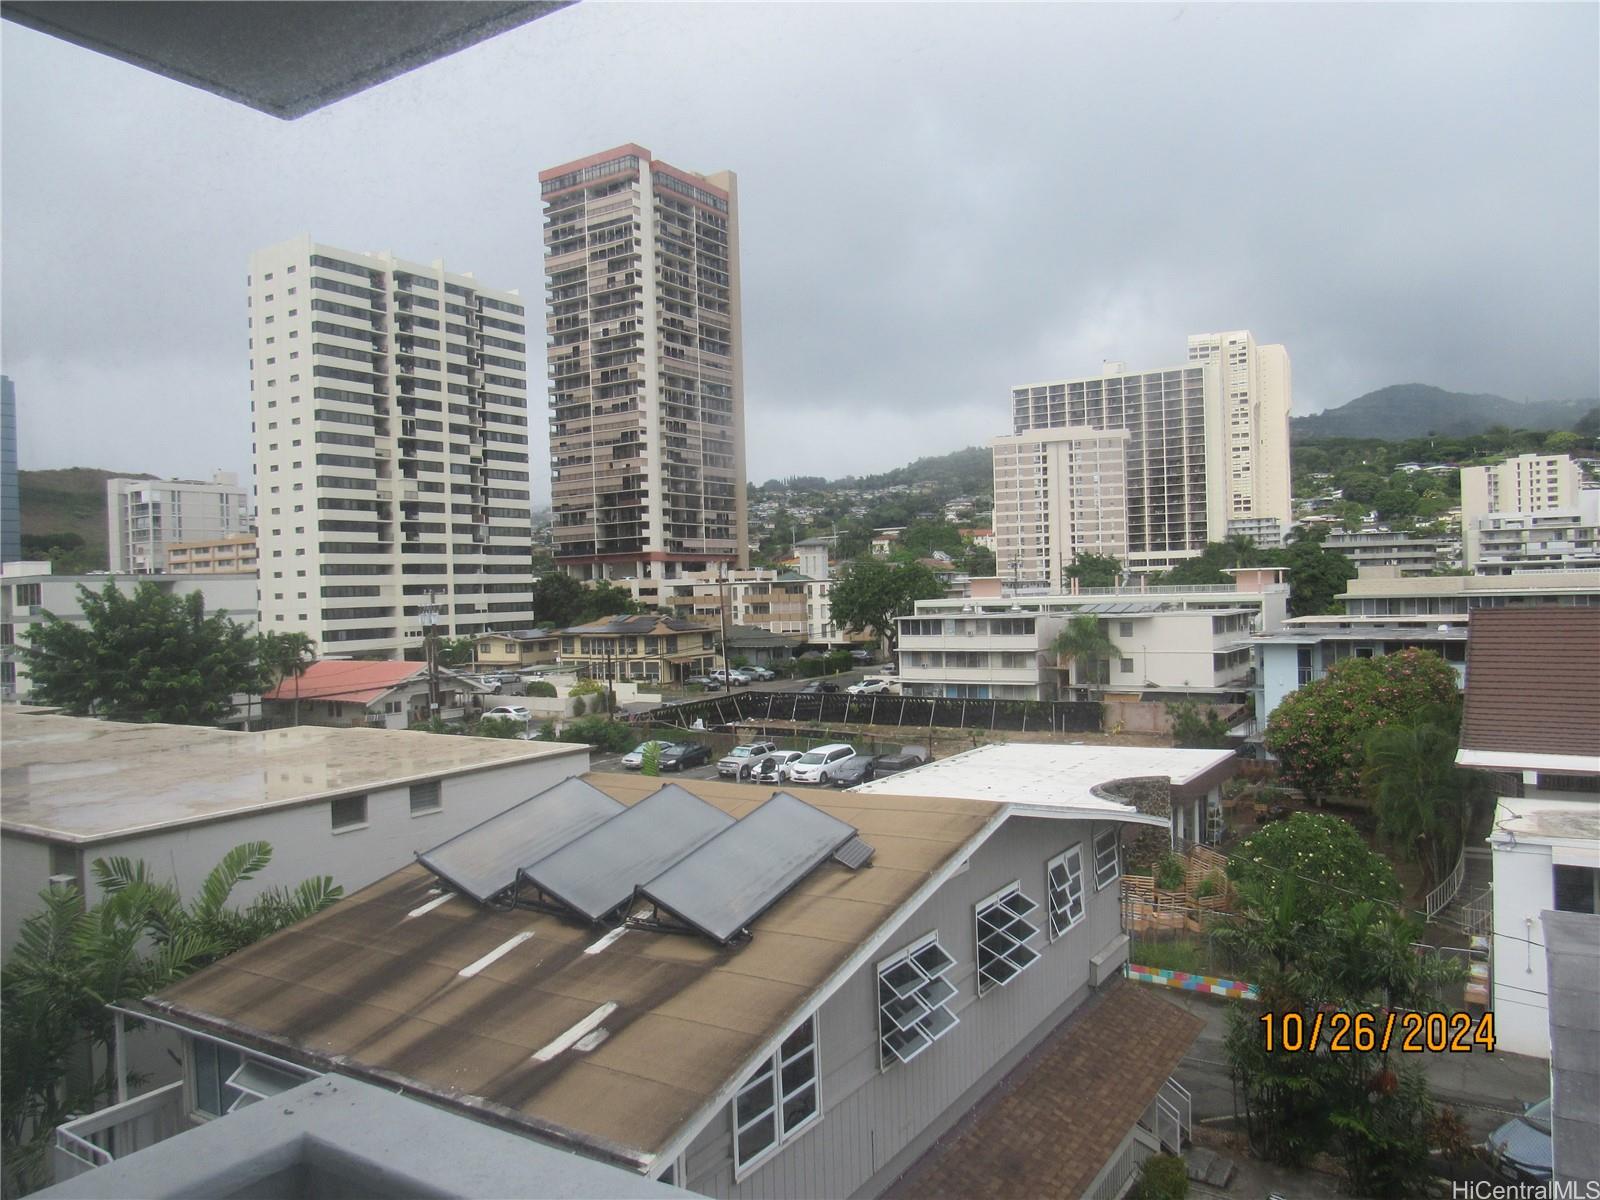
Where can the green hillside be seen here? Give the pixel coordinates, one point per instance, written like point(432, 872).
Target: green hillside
point(1413, 410)
point(70, 501)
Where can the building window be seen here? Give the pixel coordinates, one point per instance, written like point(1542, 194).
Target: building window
point(213, 1064)
point(1124, 628)
point(349, 812)
point(1064, 886)
point(914, 1000)
point(425, 797)
point(778, 1101)
point(1125, 665)
point(1003, 933)
point(1107, 859)
point(28, 594)
point(1577, 889)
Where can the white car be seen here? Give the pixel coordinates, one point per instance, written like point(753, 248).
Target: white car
point(774, 768)
point(869, 687)
point(634, 759)
point(760, 674)
point(813, 766)
point(511, 712)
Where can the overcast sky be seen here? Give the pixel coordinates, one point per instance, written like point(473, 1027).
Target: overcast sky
point(936, 203)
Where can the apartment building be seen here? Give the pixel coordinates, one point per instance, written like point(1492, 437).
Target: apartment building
point(646, 370)
point(1409, 554)
point(10, 498)
point(389, 414)
point(1380, 596)
point(1529, 513)
point(222, 556)
point(1173, 484)
point(1058, 493)
point(144, 517)
point(1257, 397)
point(1171, 641)
point(793, 603)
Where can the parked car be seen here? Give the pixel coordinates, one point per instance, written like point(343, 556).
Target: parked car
point(862, 656)
point(680, 755)
point(634, 759)
point(870, 686)
point(738, 761)
point(512, 712)
point(1520, 1149)
point(759, 674)
point(705, 681)
point(853, 771)
point(908, 757)
point(774, 768)
point(821, 764)
point(735, 676)
point(817, 687)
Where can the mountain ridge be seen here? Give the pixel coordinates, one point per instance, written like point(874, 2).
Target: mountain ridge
point(1412, 410)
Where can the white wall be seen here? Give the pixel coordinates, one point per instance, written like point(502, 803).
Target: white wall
point(1523, 888)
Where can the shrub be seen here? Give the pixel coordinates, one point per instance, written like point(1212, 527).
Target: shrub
point(1325, 856)
point(1319, 731)
point(543, 688)
point(1176, 955)
point(1162, 1177)
point(497, 727)
point(599, 733)
point(586, 687)
point(1169, 873)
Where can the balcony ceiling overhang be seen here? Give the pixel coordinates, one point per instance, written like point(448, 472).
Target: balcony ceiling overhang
point(284, 57)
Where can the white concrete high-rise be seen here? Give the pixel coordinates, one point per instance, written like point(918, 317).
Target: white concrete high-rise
point(1058, 493)
point(1530, 512)
point(646, 370)
point(389, 420)
point(1257, 396)
point(145, 516)
point(1172, 489)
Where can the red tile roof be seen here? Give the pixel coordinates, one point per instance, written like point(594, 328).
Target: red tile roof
point(1049, 1127)
point(347, 680)
point(1533, 680)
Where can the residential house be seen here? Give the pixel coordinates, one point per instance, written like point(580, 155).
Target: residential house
point(756, 645)
point(1532, 719)
point(515, 649)
point(344, 692)
point(883, 540)
point(720, 986)
point(656, 648)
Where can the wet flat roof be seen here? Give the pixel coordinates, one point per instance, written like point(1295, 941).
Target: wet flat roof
point(77, 779)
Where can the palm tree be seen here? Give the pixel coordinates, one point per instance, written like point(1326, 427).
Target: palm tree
point(1423, 801)
point(286, 655)
point(1085, 642)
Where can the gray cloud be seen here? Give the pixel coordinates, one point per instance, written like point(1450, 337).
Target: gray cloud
point(936, 202)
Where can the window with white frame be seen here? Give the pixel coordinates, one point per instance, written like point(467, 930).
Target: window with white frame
point(225, 1080)
point(778, 1101)
point(1003, 933)
point(914, 1000)
point(1107, 857)
point(1063, 877)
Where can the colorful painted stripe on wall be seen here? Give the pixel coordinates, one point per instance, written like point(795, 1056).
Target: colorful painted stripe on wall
point(1210, 985)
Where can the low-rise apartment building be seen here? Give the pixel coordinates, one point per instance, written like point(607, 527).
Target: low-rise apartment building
point(786, 602)
point(516, 649)
point(28, 590)
point(1193, 640)
point(1380, 596)
point(1409, 554)
point(1532, 720)
point(809, 1031)
point(221, 556)
point(655, 648)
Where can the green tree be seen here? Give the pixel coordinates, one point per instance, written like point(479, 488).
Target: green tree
point(151, 656)
point(608, 600)
point(71, 961)
point(1316, 576)
point(922, 538)
point(1197, 728)
point(558, 600)
point(978, 560)
point(870, 594)
point(1423, 800)
point(456, 652)
point(285, 656)
point(1084, 643)
point(1095, 570)
point(1319, 731)
point(498, 727)
point(1318, 859)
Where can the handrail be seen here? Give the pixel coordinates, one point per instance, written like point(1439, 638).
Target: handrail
point(1442, 895)
point(84, 1151)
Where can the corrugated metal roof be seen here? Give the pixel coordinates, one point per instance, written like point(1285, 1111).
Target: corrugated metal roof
point(1533, 680)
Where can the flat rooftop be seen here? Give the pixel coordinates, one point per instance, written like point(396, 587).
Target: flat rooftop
point(1303, 630)
point(1547, 820)
point(76, 779)
point(1056, 779)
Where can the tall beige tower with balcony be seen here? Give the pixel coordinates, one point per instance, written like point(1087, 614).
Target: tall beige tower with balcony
point(1257, 395)
point(388, 405)
point(646, 371)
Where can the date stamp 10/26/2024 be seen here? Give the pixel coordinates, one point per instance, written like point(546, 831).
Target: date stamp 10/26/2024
point(1341, 1032)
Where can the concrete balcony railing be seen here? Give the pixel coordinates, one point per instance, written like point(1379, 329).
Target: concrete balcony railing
point(118, 1131)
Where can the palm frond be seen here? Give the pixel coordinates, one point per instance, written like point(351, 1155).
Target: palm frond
point(239, 864)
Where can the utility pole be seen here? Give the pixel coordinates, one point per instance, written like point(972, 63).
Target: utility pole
point(430, 624)
point(722, 612)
